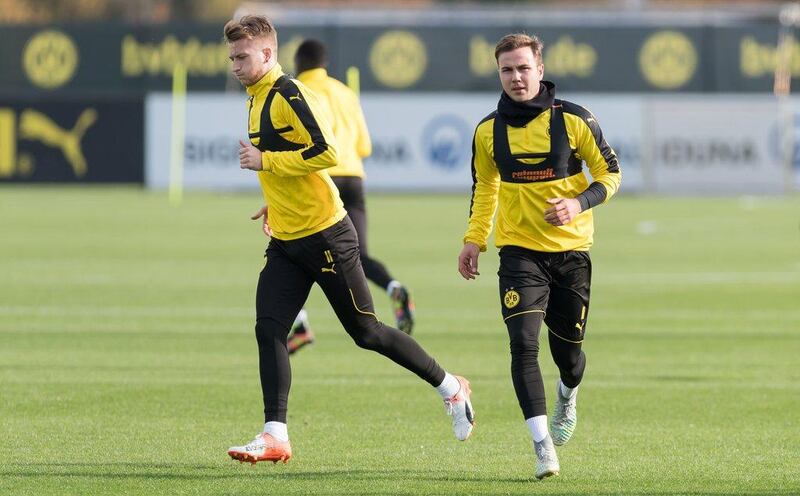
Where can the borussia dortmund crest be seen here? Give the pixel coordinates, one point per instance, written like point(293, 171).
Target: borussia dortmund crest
point(511, 299)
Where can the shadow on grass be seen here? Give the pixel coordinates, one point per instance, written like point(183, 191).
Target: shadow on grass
point(188, 471)
point(210, 472)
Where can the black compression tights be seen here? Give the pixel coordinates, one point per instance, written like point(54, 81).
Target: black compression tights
point(523, 332)
point(368, 333)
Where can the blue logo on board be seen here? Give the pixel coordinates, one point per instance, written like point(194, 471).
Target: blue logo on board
point(447, 141)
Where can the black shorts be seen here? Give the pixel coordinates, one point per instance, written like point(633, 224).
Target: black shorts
point(329, 258)
point(556, 285)
point(351, 191)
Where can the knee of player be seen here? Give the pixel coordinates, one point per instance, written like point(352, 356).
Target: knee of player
point(522, 341)
point(580, 364)
point(270, 330)
point(524, 346)
point(367, 337)
point(573, 369)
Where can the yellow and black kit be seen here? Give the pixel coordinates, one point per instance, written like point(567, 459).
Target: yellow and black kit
point(314, 241)
point(524, 154)
point(287, 124)
point(527, 153)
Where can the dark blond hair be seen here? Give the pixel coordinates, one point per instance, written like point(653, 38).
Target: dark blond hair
point(511, 42)
point(250, 26)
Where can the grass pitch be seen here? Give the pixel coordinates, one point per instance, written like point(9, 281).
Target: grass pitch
point(128, 360)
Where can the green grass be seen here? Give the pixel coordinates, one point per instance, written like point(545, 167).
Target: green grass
point(128, 360)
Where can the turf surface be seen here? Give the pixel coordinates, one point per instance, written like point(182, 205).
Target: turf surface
point(128, 361)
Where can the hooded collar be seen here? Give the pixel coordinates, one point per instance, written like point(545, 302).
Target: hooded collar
point(518, 114)
point(266, 81)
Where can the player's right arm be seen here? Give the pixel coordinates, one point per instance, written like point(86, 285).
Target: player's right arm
point(485, 185)
point(468, 261)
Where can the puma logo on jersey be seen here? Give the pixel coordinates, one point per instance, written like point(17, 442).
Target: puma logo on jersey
point(326, 269)
point(579, 327)
point(296, 97)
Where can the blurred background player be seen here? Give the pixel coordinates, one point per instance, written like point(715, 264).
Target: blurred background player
point(350, 129)
point(530, 153)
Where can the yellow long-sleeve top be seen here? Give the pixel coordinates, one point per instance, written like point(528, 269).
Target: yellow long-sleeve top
point(347, 120)
point(519, 168)
point(286, 122)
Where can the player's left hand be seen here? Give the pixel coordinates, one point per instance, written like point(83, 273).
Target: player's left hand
point(562, 211)
point(249, 156)
point(263, 214)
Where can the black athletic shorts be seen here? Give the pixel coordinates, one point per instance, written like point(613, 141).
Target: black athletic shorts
point(554, 284)
point(351, 191)
point(329, 258)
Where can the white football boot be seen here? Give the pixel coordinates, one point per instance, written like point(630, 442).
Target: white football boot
point(460, 408)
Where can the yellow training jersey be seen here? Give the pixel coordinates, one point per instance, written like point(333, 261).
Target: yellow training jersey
point(347, 120)
point(287, 124)
point(519, 167)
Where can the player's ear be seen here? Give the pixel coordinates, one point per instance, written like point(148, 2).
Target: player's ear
point(540, 68)
point(267, 51)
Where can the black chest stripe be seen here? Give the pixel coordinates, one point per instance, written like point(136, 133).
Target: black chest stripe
point(269, 137)
point(558, 163)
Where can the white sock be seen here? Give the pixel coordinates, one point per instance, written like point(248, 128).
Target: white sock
point(538, 427)
point(301, 319)
point(565, 391)
point(449, 386)
point(394, 284)
point(278, 430)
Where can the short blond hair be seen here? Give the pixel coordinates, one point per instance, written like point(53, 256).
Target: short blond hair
point(250, 26)
point(511, 42)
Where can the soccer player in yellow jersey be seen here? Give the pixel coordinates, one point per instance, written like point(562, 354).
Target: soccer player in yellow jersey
point(350, 130)
point(313, 241)
point(528, 158)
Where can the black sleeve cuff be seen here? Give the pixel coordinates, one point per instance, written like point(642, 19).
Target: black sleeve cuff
point(594, 195)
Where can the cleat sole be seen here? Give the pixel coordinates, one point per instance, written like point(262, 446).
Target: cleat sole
point(252, 460)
